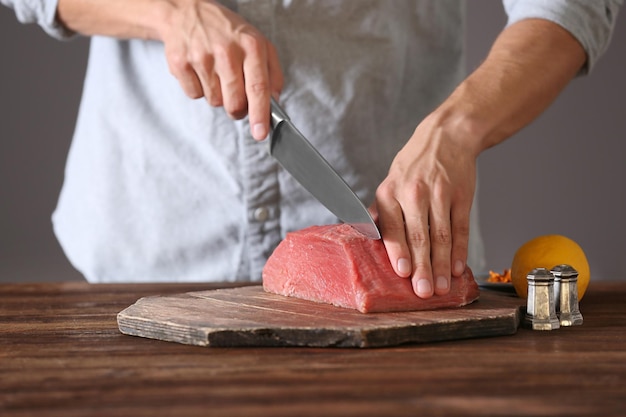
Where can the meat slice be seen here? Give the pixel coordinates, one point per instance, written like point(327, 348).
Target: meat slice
point(335, 264)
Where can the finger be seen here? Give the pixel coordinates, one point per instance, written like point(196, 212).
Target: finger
point(229, 69)
point(203, 65)
point(460, 237)
point(215, 87)
point(256, 73)
point(182, 70)
point(373, 211)
point(416, 214)
point(275, 71)
point(392, 230)
point(440, 245)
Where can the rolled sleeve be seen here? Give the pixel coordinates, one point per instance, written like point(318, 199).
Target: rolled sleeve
point(42, 12)
point(591, 22)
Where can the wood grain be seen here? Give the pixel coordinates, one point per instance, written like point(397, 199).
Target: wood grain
point(249, 316)
point(61, 354)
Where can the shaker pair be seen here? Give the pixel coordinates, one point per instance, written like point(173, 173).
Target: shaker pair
point(552, 298)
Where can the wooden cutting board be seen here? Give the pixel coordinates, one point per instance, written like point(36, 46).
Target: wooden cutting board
point(248, 316)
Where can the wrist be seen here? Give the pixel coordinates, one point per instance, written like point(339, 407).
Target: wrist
point(123, 19)
point(168, 14)
point(162, 18)
point(461, 122)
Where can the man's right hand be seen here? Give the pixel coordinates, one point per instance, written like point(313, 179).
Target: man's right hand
point(211, 50)
point(215, 53)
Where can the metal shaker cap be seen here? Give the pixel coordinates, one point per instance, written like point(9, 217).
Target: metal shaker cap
point(564, 271)
point(539, 275)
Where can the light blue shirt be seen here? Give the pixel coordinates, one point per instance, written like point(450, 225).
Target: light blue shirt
point(159, 187)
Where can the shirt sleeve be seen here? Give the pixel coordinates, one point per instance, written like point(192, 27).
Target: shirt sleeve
point(42, 12)
point(591, 22)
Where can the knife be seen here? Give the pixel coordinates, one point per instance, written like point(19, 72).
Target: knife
point(296, 154)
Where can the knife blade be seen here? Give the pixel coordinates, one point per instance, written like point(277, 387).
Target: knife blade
point(298, 157)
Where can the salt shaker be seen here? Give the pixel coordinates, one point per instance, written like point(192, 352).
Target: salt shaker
point(566, 295)
point(540, 308)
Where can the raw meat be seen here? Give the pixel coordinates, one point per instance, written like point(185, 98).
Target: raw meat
point(335, 264)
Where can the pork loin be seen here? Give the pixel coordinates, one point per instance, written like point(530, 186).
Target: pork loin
point(335, 264)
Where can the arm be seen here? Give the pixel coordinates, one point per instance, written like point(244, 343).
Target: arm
point(424, 203)
point(212, 51)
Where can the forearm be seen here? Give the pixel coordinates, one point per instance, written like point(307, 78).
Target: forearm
point(122, 19)
point(530, 63)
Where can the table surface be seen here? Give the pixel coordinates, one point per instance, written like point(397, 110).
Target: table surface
point(61, 354)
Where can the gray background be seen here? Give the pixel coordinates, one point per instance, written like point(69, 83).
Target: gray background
point(563, 174)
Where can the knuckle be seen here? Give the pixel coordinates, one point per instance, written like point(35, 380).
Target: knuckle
point(258, 88)
point(442, 237)
point(197, 57)
point(441, 191)
point(236, 107)
point(385, 191)
point(414, 192)
point(421, 267)
point(221, 52)
point(461, 230)
point(392, 226)
point(215, 100)
point(193, 93)
point(459, 250)
point(214, 93)
point(418, 238)
point(460, 244)
point(238, 115)
point(395, 227)
point(252, 41)
point(178, 64)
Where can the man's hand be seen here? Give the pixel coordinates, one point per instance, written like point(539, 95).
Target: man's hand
point(215, 53)
point(423, 207)
point(212, 51)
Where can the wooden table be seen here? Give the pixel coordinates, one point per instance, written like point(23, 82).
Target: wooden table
point(61, 354)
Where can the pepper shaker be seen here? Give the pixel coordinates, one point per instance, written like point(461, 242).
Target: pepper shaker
point(540, 308)
point(566, 295)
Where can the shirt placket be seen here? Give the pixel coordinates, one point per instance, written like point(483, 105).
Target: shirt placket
point(259, 170)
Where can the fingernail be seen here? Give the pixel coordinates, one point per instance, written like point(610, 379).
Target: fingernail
point(404, 266)
point(424, 288)
point(442, 283)
point(459, 267)
point(258, 131)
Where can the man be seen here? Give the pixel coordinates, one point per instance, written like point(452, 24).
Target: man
point(160, 187)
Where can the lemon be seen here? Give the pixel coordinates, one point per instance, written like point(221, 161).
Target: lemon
point(546, 252)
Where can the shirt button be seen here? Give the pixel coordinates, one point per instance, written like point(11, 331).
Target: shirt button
point(261, 214)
